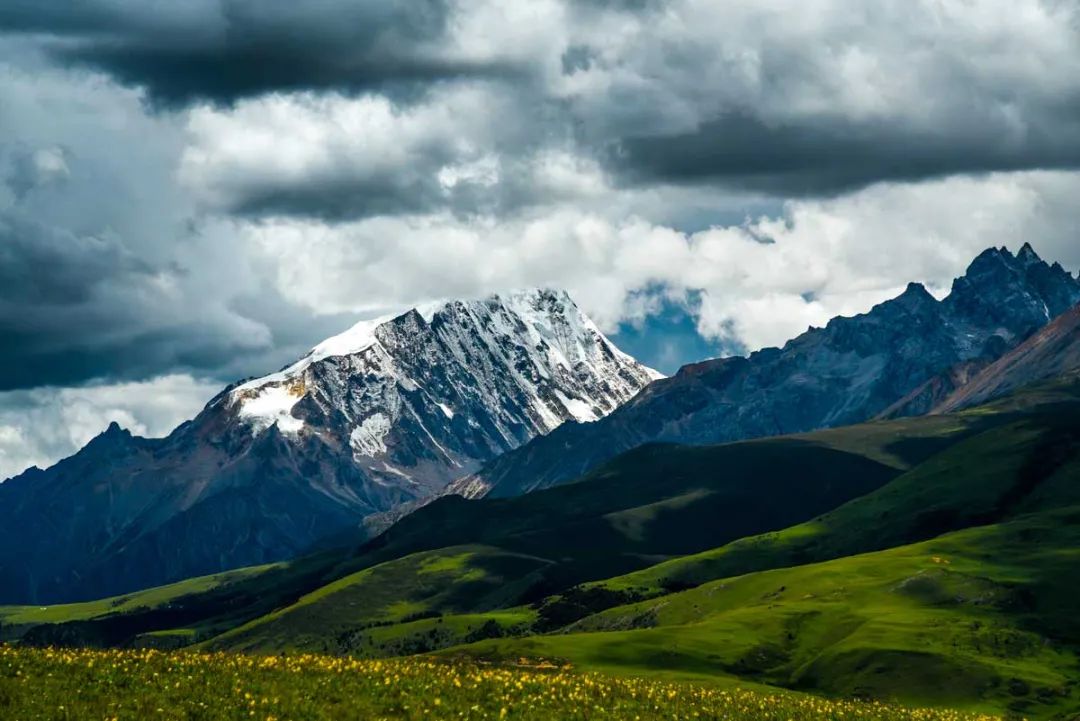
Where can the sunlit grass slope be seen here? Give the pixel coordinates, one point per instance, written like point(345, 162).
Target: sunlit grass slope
point(160, 599)
point(347, 615)
point(1025, 465)
point(980, 619)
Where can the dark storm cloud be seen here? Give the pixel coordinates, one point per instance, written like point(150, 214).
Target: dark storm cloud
point(823, 158)
point(67, 312)
point(404, 131)
point(29, 16)
point(336, 199)
point(810, 100)
point(51, 266)
point(77, 308)
point(345, 197)
point(827, 97)
point(108, 272)
point(222, 50)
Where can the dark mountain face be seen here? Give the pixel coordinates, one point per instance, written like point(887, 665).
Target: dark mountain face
point(387, 413)
point(851, 370)
point(1052, 352)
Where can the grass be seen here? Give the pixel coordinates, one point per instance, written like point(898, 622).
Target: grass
point(149, 598)
point(431, 634)
point(982, 619)
point(67, 685)
point(1021, 466)
point(200, 607)
point(343, 616)
point(656, 501)
point(652, 504)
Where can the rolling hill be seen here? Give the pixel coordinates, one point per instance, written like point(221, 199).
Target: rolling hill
point(981, 619)
point(621, 521)
point(1026, 464)
point(734, 508)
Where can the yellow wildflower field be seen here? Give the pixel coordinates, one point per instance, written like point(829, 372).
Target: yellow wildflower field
point(85, 685)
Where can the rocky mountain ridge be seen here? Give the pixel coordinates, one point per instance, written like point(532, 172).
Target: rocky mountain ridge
point(854, 369)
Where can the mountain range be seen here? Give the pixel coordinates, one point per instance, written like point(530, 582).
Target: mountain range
point(913, 350)
point(494, 397)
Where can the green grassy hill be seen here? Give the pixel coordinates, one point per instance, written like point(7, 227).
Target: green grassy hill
point(982, 619)
point(645, 506)
point(652, 504)
point(15, 621)
point(344, 616)
point(1021, 466)
point(150, 598)
point(168, 616)
point(658, 500)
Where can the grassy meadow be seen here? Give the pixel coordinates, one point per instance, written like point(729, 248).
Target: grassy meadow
point(85, 685)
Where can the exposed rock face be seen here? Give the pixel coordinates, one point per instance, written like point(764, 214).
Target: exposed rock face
point(1051, 353)
point(929, 395)
point(386, 413)
point(850, 371)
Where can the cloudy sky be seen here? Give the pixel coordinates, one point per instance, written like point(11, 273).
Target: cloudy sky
point(195, 192)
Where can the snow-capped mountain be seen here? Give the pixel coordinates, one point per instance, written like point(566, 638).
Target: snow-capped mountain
point(386, 413)
point(423, 397)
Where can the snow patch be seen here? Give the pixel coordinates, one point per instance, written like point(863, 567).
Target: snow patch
point(579, 409)
point(427, 311)
point(369, 438)
point(447, 410)
point(355, 340)
point(397, 472)
point(273, 404)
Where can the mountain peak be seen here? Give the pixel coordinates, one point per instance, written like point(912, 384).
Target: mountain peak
point(1012, 294)
point(384, 415)
point(988, 259)
point(917, 291)
point(1028, 255)
point(115, 430)
point(538, 309)
point(113, 434)
point(915, 299)
point(476, 376)
point(997, 258)
point(361, 336)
